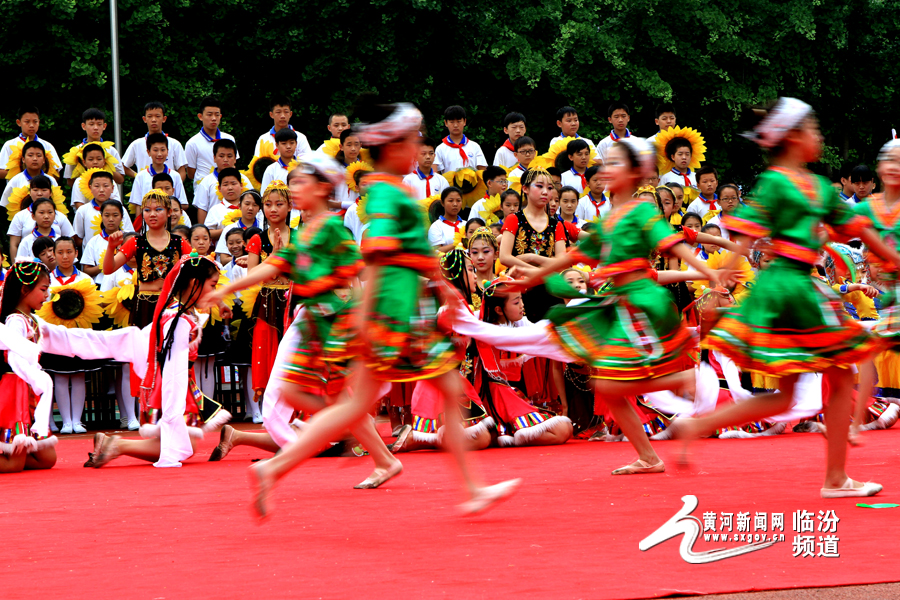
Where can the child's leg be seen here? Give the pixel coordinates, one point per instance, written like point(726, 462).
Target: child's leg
point(867, 376)
point(754, 409)
point(251, 406)
point(12, 464)
point(454, 438)
point(77, 394)
point(559, 433)
point(368, 436)
point(63, 401)
point(837, 413)
point(630, 424)
point(42, 459)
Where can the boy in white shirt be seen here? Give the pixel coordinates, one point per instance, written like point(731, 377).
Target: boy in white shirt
point(665, 119)
point(158, 149)
point(708, 200)
point(577, 158)
point(206, 194)
point(34, 161)
point(424, 181)
point(234, 241)
point(729, 199)
point(111, 214)
point(443, 231)
point(93, 156)
point(568, 123)
point(594, 204)
point(456, 150)
point(525, 151)
point(618, 116)
point(28, 119)
point(230, 187)
point(44, 211)
point(89, 218)
point(199, 149)
point(280, 113)
point(680, 152)
point(337, 123)
point(496, 183)
point(250, 206)
point(93, 122)
point(514, 128)
point(136, 154)
point(22, 223)
point(286, 146)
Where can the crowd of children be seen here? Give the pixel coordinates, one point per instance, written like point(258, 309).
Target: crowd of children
point(547, 294)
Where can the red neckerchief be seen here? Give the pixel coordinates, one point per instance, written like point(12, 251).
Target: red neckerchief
point(58, 276)
point(687, 179)
point(509, 145)
point(712, 203)
point(427, 179)
point(454, 224)
point(596, 204)
point(581, 175)
point(616, 137)
point(459, 146)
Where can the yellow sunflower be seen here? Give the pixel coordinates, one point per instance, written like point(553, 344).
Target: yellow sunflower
point(231, 217)
point(332, 147)
point(295, 222)
point(259, 164)
point(487, 214)
point(214, 313)
point(426, 205)
point(470, 181)
point(73, 305)
point(117, 303)
point(248, 298)
point(15, 200)
point(75, 158)
point(353, 168)
point(14, 165)
point(698, 147)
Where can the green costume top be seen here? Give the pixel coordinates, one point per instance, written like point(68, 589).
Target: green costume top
point(321, 258)
point(791, 209)
point(633, 331)
point(886, 221)
point(791, 322)
point(404, 343)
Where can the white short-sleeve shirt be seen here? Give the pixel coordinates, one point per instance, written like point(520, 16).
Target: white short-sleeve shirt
point(206, 194)
point(88, 222)
point(143, 183)
point(450, 159)
point(303, 146)
point(425, 187)
point(6, 150)
point(504, 157)
point(199, 153)
point(442, 232)
point(590, 208)
point(276, 171)
point(25, 252)
point(23, 222)
point(20, 180)
point(216, 215)
point(123, 275)
point(573, 179)
point(675, 177)
point(136, 154)
point(701, 207)
point(222, 245)
point(78, 195)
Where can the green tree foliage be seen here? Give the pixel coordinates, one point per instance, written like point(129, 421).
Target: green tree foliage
point(711, 57)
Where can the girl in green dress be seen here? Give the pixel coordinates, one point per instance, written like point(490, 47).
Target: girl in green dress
point(631, 334)
point(790, 323)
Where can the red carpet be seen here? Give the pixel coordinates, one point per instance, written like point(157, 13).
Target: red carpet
point(131, 531)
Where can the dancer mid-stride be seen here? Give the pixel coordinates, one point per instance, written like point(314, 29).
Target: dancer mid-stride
point(398, 322)
point(631, 334)
point(791, 323)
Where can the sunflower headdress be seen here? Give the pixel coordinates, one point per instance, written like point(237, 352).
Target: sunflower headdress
point(698, 147)
point(19, 194)
point(75, 157)
point(259, 163)
point(215, 314)
point(118, 302)
point(354, 168)
point(470, 181)
point(75, 305)
point(14, 165)
point(277, 186)
point(331, 146)
point(548, 158)
point(295, 222)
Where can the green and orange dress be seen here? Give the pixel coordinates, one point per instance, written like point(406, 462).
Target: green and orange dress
point(404, 343)
point(791, 322)
point(886, 221)
point(321, 259)
point(632, 331)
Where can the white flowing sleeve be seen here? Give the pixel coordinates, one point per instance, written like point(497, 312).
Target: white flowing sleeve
point(175, 442)
point(19, 330)
point(533, 340)
point(128, 344)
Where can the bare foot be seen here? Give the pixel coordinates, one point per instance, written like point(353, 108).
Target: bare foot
point(684, 429)
point(380, 476)
point(855, 436)
point(261, 485)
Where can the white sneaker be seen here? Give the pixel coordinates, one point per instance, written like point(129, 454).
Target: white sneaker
point(257, 418)
point(123, 422)
point(488, 496)
point(53, 426)
point(133, 424)
point(66, 428)
point(78, 428)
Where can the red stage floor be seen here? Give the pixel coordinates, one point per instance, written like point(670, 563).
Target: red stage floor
point(131, 531)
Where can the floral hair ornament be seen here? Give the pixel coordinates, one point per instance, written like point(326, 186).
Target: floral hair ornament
point(786, 115)
point(324, 166)
point(886, 149)
point(484, 233)
point(405, 119)
point(643, 150)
